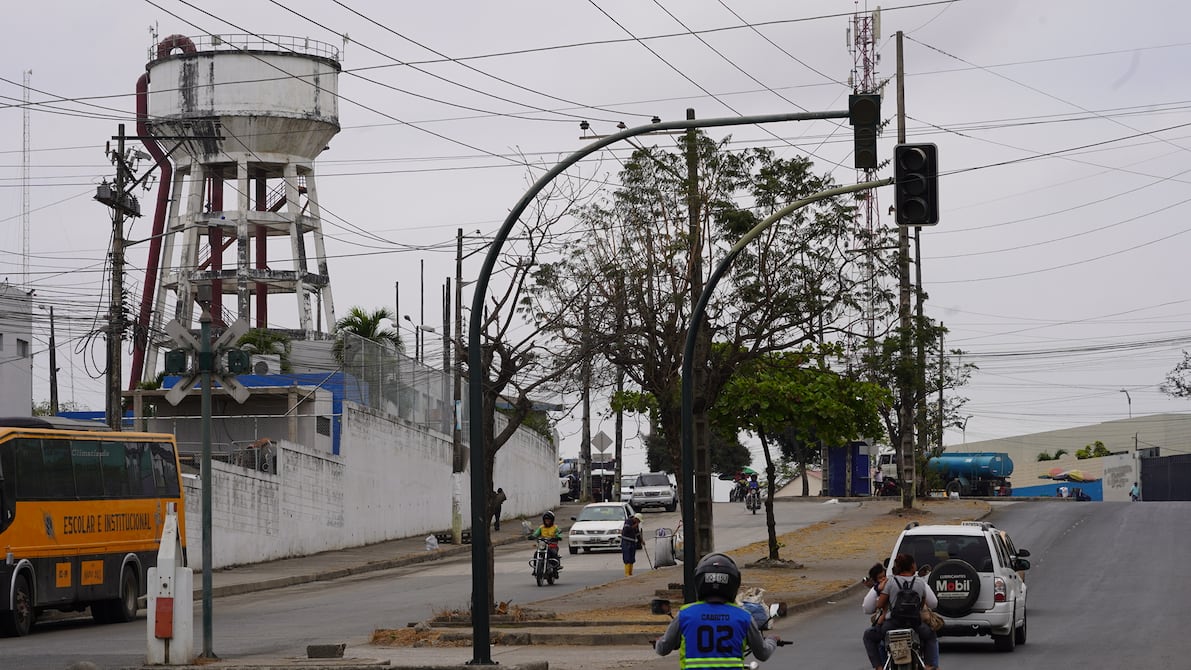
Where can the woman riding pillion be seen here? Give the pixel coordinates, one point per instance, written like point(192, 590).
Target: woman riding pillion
point(905, 576)
point(551, 532)
point(714, 632)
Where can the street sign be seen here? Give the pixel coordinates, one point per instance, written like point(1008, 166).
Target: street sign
point(601, 442)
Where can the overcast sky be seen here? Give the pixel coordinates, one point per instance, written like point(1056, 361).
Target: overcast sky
point(1062, 129)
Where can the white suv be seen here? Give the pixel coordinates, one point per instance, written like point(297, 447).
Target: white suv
point(653, 489)
point(978, 576)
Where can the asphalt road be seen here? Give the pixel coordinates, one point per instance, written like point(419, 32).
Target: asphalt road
point(283, 621)
point(1105, 583)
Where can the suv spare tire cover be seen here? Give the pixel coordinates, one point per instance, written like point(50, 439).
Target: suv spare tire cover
point(957, 586)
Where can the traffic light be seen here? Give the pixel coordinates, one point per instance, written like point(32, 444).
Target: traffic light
point(916, 184)
point(864, 113)
point(176, 362)
point(237, 361)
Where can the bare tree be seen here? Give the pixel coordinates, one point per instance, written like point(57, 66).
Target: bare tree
point(520, 357)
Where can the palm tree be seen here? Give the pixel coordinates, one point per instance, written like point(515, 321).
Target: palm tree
point(368, 326)
point(372, 364)
point(265, 341)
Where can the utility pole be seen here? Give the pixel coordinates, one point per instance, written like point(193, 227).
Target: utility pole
point(942, 378)
point(585, 439)
point(919, 338)
point(115, 405)
point(53, 367)
point(704, 538)
point(459, 459)
point(905, 389)
point(446, 354)
point(121, 203)
point(620, 309)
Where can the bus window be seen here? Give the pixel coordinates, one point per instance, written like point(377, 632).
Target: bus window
point(113, 469)
point(31, 472)
point(164, 467)
point(8, 487)
point(84, 455)
point(146, 484)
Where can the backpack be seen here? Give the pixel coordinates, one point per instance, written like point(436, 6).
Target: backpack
point(907, 608)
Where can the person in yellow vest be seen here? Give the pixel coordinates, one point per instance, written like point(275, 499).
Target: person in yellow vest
point(549, 531)
point(713, 632)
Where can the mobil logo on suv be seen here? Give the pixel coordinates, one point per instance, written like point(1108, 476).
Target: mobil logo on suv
point(953, 584)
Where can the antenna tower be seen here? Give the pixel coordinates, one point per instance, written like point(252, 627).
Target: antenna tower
point(25, 182)
point(863, 32)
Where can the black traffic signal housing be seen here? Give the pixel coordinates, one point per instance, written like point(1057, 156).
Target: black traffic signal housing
point(177, 361)
point(916, 184)
point(864, 113)
point(238, 361)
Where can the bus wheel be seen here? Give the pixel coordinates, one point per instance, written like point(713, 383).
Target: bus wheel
point(19, 621)
point(118, 610)
point(124, 608)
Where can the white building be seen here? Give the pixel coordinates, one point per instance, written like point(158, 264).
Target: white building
point(16, 353)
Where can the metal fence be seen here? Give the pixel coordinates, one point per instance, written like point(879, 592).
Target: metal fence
point(392, 382)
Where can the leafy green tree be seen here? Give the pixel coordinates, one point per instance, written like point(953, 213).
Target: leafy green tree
point(798, 394)
point(646, 251)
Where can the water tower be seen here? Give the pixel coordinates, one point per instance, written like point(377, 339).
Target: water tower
point(242, 119)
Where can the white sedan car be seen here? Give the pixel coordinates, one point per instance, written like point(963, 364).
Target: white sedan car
point(598, 526)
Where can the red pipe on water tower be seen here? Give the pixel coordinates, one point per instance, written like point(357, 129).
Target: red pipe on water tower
point(140, 337)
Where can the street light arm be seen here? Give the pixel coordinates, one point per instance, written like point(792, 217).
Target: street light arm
point(481, 632)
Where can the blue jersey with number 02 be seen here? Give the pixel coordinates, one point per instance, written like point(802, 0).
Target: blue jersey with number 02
point(713, 635)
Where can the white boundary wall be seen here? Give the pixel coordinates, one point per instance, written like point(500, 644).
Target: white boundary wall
point(391, 480)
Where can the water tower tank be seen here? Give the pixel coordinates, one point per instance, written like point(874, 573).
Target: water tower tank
point(243, 118)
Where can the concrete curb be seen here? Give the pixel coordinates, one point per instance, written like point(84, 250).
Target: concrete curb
point(325, 664)
point(327, 575)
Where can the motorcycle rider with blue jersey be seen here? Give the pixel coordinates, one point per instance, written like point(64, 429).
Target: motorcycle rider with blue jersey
point(714, 632)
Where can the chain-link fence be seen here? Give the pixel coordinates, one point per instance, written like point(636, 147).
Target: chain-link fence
point(388, 381)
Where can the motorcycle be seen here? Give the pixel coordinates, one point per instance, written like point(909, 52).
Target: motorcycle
point(545, 562)
point(889, 487)
point(752, 500)
point(903, 650)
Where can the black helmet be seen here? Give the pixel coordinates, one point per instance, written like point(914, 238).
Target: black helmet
point(717, 579)
point(548, 516)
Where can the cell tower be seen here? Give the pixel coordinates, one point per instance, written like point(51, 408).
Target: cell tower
point(864, 30)
point(25, 183)
point(242, 118)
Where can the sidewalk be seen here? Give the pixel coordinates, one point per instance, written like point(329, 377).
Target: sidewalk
point(608, 626)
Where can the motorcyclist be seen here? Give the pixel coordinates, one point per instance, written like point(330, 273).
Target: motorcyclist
point(754, 486)
point(717, 580)
point(551, 532)
point(905, 572)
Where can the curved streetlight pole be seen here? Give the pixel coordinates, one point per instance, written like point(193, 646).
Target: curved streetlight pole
point(481, 632)
point(689, 550)
point(1129, 399)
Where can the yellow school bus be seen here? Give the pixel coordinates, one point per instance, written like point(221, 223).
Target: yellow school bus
point(81, 514)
